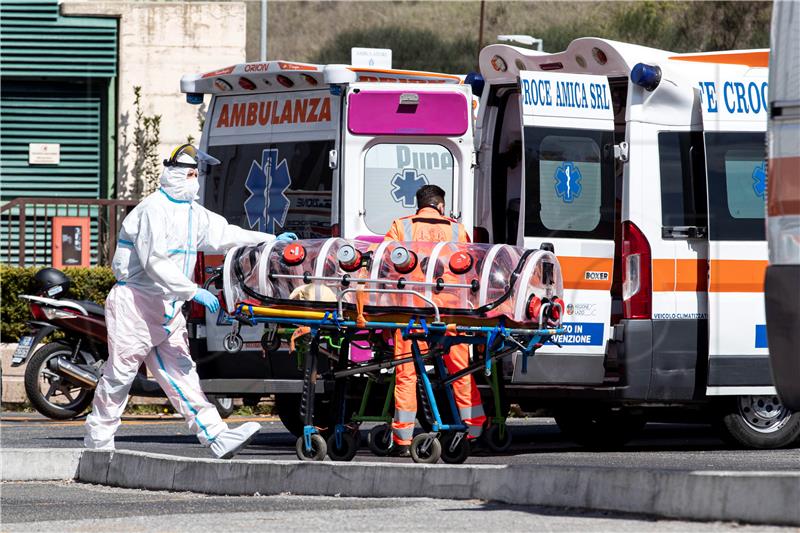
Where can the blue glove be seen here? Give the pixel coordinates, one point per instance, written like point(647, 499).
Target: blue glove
point(287, 236)
point(207, 299)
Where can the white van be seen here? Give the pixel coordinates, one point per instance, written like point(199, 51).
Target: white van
point(645, 170)
point(782, 285)
point(320, 151)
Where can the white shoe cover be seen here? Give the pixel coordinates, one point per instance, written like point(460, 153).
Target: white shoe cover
point(232, 441)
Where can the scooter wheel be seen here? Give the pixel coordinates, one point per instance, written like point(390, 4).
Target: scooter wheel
point(426, 448)
point(498, 438)
point(318, 448)
point(454, 454)
point(346, 451)
point(379, 440)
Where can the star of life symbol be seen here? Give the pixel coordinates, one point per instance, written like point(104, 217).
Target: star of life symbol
point(760, 180)
point(267, 205)
point(568, 182)
point(405, 186)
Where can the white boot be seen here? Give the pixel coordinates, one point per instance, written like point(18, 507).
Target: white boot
point(232, 441)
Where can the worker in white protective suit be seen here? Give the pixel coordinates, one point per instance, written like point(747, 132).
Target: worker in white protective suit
point(153, 264)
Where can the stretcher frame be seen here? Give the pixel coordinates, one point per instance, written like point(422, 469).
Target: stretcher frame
point(498, 340)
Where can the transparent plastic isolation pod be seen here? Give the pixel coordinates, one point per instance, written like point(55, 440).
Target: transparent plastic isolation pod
point(475, 281)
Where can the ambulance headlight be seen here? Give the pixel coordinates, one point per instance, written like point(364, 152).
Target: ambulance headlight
point(646, 76)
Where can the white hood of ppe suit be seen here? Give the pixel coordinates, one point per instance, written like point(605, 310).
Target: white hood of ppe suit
point(175, 183)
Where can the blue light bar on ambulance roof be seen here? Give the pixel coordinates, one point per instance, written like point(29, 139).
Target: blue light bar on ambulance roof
point(476, 81)
point(194, 98)
point(646, 76)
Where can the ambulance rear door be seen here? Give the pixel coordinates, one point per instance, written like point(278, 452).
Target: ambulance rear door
point(568, 200)
point(398, 137)
point(734, 122)
point(275, 173)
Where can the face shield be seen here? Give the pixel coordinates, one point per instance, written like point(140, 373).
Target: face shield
point(189, 156)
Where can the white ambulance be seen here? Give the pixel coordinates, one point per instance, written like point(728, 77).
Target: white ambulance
point(782, 285)
point(319, 150)
point(645, 170)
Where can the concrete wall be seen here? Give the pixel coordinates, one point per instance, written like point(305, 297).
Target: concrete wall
point(158, 43)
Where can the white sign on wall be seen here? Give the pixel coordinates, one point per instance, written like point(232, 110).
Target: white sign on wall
point(44, 154)
point(371, 57)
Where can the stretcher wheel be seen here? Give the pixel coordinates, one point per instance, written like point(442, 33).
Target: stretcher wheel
point(426, 448)
point(379, 440)
point(318, 448)
point(346, 451)
point(454, 455)
point(498, 438)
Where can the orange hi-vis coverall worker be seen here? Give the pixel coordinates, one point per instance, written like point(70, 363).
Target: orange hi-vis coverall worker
point(430, 226)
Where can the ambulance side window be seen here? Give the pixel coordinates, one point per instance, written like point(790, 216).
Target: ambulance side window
point(394, 172)
point(683, 181)
point(569, 183)
point(737, 174)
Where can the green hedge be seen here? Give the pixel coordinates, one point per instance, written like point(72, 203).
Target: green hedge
point(87, 284)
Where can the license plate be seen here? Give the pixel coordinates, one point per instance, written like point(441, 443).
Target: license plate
point(22, 350)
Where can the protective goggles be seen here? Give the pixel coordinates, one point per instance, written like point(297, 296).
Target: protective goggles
point(197, 156)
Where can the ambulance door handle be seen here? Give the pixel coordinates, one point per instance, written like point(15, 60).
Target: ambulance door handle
point(333, 159)
point(683, 232)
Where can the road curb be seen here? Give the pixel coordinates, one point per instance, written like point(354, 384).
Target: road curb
point(39, 464)
point(754, 497)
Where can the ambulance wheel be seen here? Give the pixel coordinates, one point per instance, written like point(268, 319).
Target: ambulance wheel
point(498, 438)
point(600, 429)
point(224, 405)
point(379, 440)
point(758, 422)
point(318, 448)
point(346, 451)
point(426, 448)
point(454, 455)
point(288, 407)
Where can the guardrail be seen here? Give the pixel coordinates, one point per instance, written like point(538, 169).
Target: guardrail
point(26, 227)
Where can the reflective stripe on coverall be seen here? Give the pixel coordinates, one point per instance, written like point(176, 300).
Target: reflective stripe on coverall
point(430, 226)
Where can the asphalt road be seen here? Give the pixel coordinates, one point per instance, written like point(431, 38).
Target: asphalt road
point(68, 507)
point(536, 441)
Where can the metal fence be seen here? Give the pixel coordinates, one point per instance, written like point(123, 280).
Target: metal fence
point(26, 228)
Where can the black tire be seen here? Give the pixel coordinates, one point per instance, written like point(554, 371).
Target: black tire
point(457, 455)
point(379, 440)
point(223, 404)
point(758, 422)
point(346, 451)
point(318, 448)
point(38, 375)
point(426, 448)
point(498, 438)
point(288, 407)
point(601, 429)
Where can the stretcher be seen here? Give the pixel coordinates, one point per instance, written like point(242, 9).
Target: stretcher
point(502, 299)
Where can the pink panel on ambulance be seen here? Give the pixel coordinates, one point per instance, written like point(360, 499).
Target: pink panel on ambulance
point(382, 113)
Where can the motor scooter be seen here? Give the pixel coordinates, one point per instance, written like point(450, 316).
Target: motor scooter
point(61, 376)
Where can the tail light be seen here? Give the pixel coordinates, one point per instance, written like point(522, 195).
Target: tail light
point(637, 284)
point(37, 312)
point(198, 311)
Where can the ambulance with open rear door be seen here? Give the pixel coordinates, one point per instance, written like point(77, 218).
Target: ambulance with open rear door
point(645, 170)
